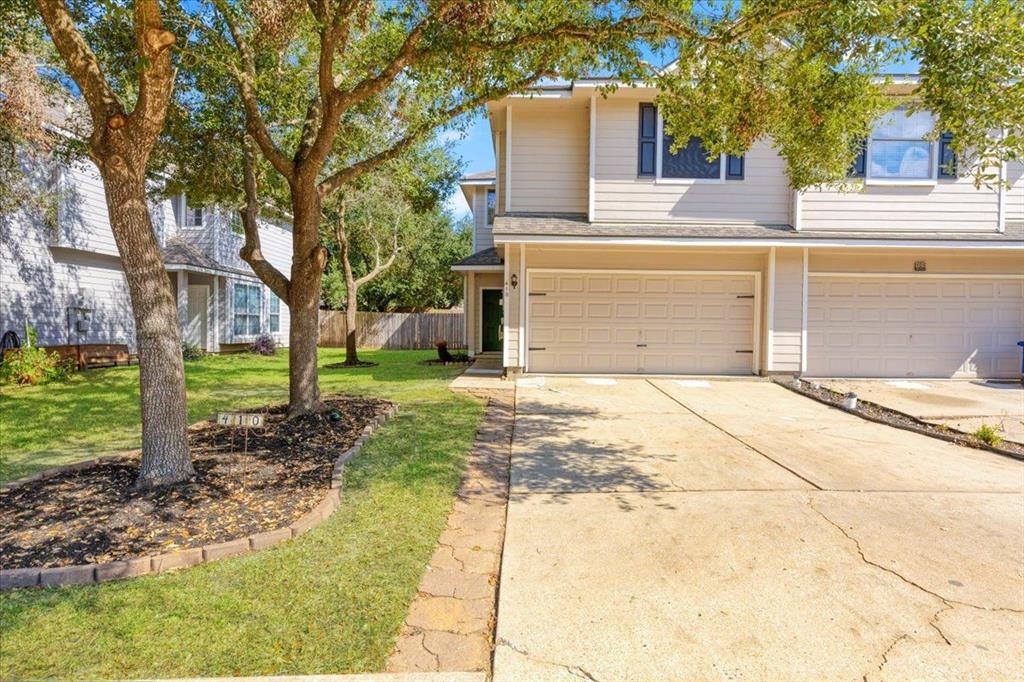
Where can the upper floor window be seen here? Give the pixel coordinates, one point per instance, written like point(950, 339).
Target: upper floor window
point(247, 300)
point(900, 150)
point(492, 205)
point(189, 216)
point(689, 163)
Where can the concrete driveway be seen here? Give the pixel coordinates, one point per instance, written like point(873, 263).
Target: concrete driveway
point(963, 405)
point(686, 529)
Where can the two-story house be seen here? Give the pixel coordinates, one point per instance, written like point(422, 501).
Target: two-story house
point(60, 271)
point(599, 250)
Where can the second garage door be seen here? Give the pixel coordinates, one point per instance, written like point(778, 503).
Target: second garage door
point(623, 323)
point(863, 326)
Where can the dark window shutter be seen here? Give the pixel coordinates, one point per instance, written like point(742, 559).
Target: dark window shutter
point(860, 164)
point(947, 159)
point(734, 167)
point(691, 161)
point(648, 140)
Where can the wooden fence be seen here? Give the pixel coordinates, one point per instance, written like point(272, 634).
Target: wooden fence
point(395, 331)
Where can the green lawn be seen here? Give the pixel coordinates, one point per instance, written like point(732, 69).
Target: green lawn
point(331, 601)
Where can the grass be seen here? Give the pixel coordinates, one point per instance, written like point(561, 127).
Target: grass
point(331, 601)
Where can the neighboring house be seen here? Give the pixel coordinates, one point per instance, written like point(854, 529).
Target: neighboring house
point(61, 273)
point(606, 253)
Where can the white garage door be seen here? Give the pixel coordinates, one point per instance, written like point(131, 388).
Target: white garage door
point(901, 327)
point(621, 323)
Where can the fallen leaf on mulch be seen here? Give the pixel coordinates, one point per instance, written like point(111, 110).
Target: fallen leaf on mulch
point(94, 515)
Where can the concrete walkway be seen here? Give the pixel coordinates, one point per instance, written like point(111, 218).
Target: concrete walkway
point(686, 529)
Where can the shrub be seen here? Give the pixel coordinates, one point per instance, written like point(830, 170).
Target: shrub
point(33, 365)
point(264, 344)
point(988, 434)
point(190, 351)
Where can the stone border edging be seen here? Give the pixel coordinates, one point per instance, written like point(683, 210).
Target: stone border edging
point(449, 627)
point(916, 426)
point(86, 574)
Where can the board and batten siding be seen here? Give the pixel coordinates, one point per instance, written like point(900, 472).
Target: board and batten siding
point(787, 326)
point(950, 205)
point(762, 197)
point(550, 152)
point(1015, 195)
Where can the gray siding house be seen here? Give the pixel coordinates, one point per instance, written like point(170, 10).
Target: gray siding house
point(60, 271)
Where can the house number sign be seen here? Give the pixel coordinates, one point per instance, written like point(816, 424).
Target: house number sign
point(239, 419)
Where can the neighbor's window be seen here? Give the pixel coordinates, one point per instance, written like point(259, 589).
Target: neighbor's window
point(492, 205)
point(190, 216)
point(247, 300)
point(275, 313)
point(898, 149)
point(656, 158)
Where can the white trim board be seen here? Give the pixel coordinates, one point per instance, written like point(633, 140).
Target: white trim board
point(522, 305)
point(1007, 245)
point(592, 175)
point(755, 274)
point(508, 158)
point(478, 268)
point(770, 313)
point(803, 312)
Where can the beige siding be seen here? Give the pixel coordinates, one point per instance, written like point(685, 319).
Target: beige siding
point(513, 316)
point(950, 205)
point(763, 196)
point(550, 151)
point(936, 262)
point(788, 310)
point(1015, 195)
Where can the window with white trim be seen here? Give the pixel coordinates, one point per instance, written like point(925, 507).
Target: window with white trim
point(899, 148)
point(247, 301)
point(492, 205)
point(275, 313)
point(189, 216)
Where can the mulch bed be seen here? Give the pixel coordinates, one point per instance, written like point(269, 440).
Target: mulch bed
point(93, 515)
point(457, 359)
point(886, 415)
point(355, 365)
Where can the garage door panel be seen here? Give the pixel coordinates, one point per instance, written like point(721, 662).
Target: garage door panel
point(656, 323)
point(859, 326)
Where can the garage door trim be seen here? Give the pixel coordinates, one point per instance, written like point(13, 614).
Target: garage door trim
point(755, 274)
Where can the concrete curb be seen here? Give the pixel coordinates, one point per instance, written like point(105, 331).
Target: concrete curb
point(86, 574)
point(920, 427)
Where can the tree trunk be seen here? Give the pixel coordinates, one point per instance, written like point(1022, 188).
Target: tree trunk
point(351, 308)
point(165, 454)
point(308, 260)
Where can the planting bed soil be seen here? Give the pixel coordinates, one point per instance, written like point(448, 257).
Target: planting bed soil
point(878, 413)
point(93, 515)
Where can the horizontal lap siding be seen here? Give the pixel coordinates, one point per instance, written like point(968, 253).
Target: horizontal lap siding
point(1015, 195)
point(484, 236)
point(763, 196)
point(550, 149)
point(953, 205)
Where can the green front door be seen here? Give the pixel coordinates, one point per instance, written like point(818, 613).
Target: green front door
point(490, 323)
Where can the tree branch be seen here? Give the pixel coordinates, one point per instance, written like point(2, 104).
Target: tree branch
point(379, 267)
point(246, 78)
point(251, 251)
point(349, 173)
point(156, 81)
point(81, 61)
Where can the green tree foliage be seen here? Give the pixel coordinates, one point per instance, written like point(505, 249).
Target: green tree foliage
point(421, 277)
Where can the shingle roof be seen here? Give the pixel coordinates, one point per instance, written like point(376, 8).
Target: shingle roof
point(179, 252)
point(483, 175)
point(486, 257)
point(576, 225)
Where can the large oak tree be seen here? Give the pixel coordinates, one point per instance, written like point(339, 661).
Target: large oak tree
point(126, 85)
point(308, 76)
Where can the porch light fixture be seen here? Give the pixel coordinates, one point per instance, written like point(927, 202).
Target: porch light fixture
point(514, 280)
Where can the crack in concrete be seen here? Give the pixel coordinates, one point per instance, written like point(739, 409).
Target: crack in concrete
point(948, 601)
point(574, 670)
point(423, 643)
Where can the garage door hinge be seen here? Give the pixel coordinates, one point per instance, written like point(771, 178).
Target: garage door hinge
point(745, 351)
point(641, 345)
point(745, 296)
point(535, 348)
point(537, 293)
